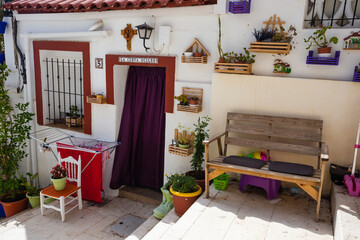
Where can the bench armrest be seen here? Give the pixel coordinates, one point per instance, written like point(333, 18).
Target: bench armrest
point(324, 152)
point(210, 140)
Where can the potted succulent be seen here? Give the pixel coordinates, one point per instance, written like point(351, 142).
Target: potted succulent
point(182, 99)
point(58, 177)
point(194, 101)
point(319, 38)
point(201, 133)
point(167, 203)
point(185, 192)
point(32, 192)
point(14, 133)
point(220, 51)
point(184, 141)
point(263, 35)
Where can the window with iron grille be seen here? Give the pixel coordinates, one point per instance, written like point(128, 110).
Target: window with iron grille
point(63, 94)
point(335, 13)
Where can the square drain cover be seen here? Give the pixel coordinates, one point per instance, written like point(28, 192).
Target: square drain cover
point(127, 225)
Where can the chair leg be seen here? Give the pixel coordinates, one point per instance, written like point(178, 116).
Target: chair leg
point(206, 182)
point(62, 208)
point(79, 199)
point(42, 202)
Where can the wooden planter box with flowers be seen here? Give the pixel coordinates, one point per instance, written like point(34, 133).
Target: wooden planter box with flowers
point(183, 143)
point(236, 63)
point(195, 55)
point(190, 100)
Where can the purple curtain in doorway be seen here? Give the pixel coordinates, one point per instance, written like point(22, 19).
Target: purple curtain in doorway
point(139, 159)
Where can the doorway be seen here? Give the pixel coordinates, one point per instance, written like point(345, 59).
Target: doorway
point(139, 159)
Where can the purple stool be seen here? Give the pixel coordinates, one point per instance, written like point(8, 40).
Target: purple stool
point(271, 186)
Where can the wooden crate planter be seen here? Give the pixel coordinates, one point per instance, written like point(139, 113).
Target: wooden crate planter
point(202, 59)
point(192, 92)
point(323, 60)
point(74, 122)
point(240, 7)
point(238, 68)
point(195, 47)
point(180, 151)
point(94, 99)
point(356, 77)
point(270, 47)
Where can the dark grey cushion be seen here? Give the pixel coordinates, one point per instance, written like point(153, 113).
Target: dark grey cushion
point(245, 161)
point(292, 168)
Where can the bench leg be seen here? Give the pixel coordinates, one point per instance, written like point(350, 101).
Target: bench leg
point(323, 164)
point(206, 182)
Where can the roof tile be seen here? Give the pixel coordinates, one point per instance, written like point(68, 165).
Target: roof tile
point(57, 6)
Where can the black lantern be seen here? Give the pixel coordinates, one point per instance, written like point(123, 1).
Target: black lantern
point(144, 31)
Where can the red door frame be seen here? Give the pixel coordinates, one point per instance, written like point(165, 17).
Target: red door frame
point(166, 62)
point(83, 47)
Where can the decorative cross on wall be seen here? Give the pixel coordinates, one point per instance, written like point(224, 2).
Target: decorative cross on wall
point(128, 34)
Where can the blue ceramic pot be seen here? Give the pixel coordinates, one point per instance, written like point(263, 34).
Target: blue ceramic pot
point(2, 27)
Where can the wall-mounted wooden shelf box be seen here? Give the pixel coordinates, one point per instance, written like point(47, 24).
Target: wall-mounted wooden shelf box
point(240, 7)
point(195, 48)
point(238, 68)
point(356, 77)
point(323, 60)
point(192, 92)
point(270, 47)
point(93, 99)
point(181, 151)
point(281, 72)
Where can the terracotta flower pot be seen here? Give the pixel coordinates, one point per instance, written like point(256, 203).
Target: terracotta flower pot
point(183, 201)
point(197, 54)
point(324, 50)
point(12, 208)
point(194, 102)
point(221, 60)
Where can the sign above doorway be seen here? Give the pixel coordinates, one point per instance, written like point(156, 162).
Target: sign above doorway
point(138, 60)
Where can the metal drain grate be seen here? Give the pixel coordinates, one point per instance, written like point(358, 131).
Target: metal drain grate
point(127, 225)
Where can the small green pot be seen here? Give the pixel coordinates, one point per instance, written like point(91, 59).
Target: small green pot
point(34, 201)
point(59, 184)
point(184, 145)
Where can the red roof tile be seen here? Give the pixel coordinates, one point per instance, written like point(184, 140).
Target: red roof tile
point(58, 6)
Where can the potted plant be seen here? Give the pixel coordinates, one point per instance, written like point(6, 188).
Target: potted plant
point(2, 23)
point(263, 35)
point(58, 177)
point(185, 192)
point(32, 192)
point(14, 133)
point(184, 140)
point(167, 203)
point(74, 120)
point(319, 38)
point(201, 133)
point(194, 101)
point(220, 51)
point(182, 99)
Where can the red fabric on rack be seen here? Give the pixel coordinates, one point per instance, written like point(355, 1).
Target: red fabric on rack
point(91, 178)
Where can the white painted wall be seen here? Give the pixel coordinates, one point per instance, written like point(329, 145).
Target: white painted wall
point(188, 23)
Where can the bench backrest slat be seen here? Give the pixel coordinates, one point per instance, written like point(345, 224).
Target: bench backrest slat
point(294, 135)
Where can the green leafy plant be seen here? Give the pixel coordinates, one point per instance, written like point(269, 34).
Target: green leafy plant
point(182, 99)
point(246, 57)
point(74, 111)
point(14, 131)
point(31, 187)
point(183, 184)
point(201, 133)
point(319, 38)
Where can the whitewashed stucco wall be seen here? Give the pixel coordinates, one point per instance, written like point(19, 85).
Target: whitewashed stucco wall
point(186, 23)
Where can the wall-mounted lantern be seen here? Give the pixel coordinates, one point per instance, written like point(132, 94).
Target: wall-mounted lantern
point(144, 31)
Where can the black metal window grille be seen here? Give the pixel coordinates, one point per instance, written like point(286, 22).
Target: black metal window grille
point(335, 13)
point(63, 89)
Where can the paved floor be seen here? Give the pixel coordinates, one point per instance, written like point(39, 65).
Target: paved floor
point(234, 215)
point(91, 223)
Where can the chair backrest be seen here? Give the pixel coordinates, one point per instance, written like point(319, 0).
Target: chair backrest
point(73, 168)
point(295, 135)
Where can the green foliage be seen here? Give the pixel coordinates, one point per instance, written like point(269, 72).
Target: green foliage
point(201, 133)
point(320, 39)
point(245, 57)
point(14, 131)
point(182, 99)
point(183, 184)
point(74, 111)
point(30, 186)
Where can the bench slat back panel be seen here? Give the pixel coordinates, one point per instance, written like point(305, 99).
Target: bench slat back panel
point(296, 135)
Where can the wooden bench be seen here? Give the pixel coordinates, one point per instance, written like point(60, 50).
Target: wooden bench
point(270, 133)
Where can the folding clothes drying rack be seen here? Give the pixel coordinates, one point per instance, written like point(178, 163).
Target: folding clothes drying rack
point(49, 138)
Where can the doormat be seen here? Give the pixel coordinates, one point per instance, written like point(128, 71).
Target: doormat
point(127, 225)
